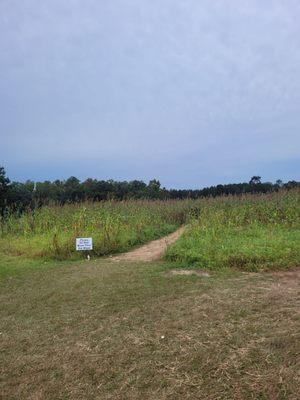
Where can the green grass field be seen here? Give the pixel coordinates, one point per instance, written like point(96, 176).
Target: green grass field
point(84, 330)
point(50, 232)
point(251, 233)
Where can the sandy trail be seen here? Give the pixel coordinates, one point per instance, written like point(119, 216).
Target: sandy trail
point(151, 251)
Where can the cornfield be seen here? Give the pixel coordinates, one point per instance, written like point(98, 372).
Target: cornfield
point(50, 231)
point(249, 232)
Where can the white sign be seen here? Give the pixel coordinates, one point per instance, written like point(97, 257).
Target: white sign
point(84, 244)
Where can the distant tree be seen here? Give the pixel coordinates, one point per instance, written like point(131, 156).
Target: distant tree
point(90, 189)
point(4, 187)
point(20, 196)
point(137, 189)
point(43, 192)
point(291, 185)
point(4, 181)
point(255, 180)
point(74, 191)
point(154, 183)
point(154, 189)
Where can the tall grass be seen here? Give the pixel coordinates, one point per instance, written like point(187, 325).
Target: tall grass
point(249, 232)
point(50, 231)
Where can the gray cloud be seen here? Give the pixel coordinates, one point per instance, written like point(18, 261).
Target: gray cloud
point(194, 93)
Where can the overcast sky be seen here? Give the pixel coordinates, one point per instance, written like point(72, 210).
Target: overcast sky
point(191, 92)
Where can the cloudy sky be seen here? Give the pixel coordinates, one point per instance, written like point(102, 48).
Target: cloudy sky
point(191, 92)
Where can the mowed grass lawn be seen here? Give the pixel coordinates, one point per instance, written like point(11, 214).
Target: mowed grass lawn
point(103, 330)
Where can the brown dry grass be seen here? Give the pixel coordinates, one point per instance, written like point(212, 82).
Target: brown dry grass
point(102, 330)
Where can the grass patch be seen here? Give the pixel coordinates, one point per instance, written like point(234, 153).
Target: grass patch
point(127, 331)
point(251, 234)
point(50, 232)
point(104, 330)
point(16, 266)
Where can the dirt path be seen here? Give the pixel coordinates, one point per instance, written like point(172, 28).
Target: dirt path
point(151, 251)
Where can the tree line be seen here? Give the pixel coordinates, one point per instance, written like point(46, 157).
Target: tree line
point(21, 195)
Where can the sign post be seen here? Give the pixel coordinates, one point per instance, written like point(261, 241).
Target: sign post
point(84, 244)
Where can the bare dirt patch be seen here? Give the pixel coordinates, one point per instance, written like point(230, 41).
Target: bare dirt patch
point(151, 251)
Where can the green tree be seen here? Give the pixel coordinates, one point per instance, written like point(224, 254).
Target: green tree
point(255, 180)
point(4, 186)
point(74, 191)
point(154, 189)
